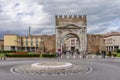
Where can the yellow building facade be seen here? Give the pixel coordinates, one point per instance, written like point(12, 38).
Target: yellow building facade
point(23, 43)
point(1, 44)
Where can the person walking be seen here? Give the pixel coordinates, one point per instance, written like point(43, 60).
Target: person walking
point(103, 53)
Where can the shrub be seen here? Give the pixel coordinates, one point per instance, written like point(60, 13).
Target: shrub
point(7, 51)
point(118, 51)
point(21, 55)
point(49, 55)
point(114, 55)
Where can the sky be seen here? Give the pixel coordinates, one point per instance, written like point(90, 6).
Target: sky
point(16, 16)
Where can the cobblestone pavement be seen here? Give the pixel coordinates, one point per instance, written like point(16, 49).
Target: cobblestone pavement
point(28, 69)
point(102, 69)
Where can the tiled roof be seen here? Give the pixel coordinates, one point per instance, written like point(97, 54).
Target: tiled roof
point(111, 34)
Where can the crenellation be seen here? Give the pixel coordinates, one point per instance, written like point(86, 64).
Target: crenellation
point(70, 16)
point(56, 16)
point(65, 17)
point(75, 16)
point(60, 16)
point(79, 16)
point(61, 19)
point(84, 19)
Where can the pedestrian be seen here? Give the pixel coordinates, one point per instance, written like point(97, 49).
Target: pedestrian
point(103, 53)
point(77, 51)
point(59, 52)
point(72, 52)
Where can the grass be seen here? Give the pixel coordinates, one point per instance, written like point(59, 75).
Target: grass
point(1, 55)
point(118, 54)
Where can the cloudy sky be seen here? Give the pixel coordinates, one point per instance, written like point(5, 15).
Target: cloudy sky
point(17, 15)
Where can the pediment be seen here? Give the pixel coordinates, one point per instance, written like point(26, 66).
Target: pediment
point(70, 26)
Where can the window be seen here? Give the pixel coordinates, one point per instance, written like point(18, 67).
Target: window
point(77, 43)
point(26, 41)
point(116, 47)
point(31, 39)
point(21, 41)
point(37, 44)
point(26, 44)
point(72, 43)
point(31, 43)
point(36, 40)
point(72, 40)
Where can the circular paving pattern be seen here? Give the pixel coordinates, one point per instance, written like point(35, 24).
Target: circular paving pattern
point(52, 65)
point(54, 68)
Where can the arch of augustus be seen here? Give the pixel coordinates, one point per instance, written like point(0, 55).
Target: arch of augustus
point(71, 24)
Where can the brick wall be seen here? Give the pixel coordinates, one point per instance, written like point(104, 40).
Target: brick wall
point(95, 43)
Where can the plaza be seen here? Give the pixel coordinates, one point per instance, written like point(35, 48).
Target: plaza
point(75, 64)
point(100, 69)
point(59, 40)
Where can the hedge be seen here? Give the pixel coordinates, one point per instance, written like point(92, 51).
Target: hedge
point(112, 55)
point(118, 51)
point(21, 55)
point(7, 51)
point(48, 55)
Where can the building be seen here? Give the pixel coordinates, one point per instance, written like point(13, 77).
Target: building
point(75, 25)
point(27, 43)
point(71, 34)
point(1, 44)
point(112, 41)
point(71, 44)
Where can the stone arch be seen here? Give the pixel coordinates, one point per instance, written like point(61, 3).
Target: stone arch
point(68, 36)
point(76, 26)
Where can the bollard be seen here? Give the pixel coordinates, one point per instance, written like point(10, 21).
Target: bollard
point(99, 57)
point(61, 56)
point(67, 57)
point(112, 56)
point(93, 56)
point(74, 56)
point(86, 57)
point(4, 58)
point(80, 57)
point(106, 56)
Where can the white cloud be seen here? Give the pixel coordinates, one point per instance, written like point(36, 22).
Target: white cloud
point(25, 12)
point(18, 15)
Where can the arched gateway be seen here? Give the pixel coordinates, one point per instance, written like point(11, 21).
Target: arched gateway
point(75, 27)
